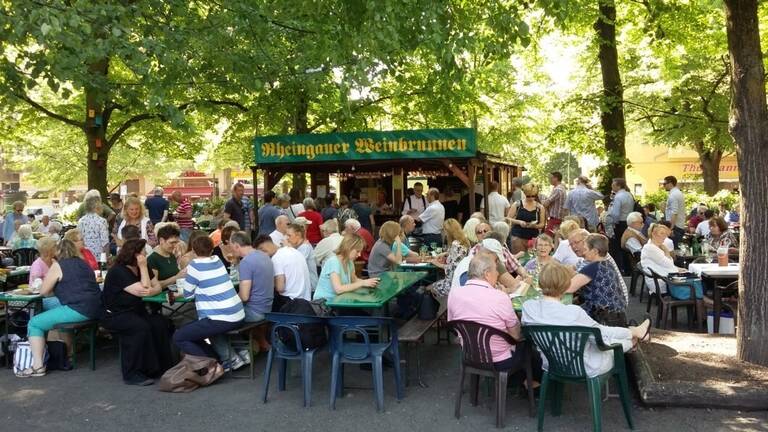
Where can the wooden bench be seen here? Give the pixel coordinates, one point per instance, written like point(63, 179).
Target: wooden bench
point(247, 329)
point(412, 335)
point(85, 327)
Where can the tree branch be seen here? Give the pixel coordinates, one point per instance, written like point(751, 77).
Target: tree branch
point(50, 113)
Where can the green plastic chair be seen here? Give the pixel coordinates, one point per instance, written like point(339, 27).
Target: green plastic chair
point(563, 346)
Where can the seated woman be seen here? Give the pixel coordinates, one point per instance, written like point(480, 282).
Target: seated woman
point(480, 301)
point(338, 273)
point(599, 285)
point(458, 250)
point(23, 238)
point(163, 260)
point(469, 230)
point(224, 249)
point(145, 349)
point(46, 246)
point(219, 309)
point(76, 237)
point(554, 281)
point(564, 254)
point(389, 250)
point(544, 246)
point(295, 237)
point(189, 254)
point(655, 256)
point(719, 235)
point(74, 283)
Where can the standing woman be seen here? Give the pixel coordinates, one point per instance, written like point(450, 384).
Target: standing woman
point(94, 229)
point(338, 274)
point(528, 218)
point(73, 282)
point(315, 219)
point(458, 250)
point(145, 350)
point(133, 214)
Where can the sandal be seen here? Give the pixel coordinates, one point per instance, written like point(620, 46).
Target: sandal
point(32, 372)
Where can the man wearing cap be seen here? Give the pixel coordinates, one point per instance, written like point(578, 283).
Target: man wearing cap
point(581, 201)
point(157, 206)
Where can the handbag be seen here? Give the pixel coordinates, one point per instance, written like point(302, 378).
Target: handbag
point(57, 356)
point(22, 357)
point(191, 373)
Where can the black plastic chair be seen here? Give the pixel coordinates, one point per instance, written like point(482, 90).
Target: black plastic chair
point(666, 303)
point(346, 351)
point(477, 360)
point(637, 273)
point(283, 352)
point(24, 256)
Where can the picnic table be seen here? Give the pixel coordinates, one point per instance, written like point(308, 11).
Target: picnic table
point(16, 302)
point(390, 285)
point(17, 273)
point(517, 302)
point(710, 275)
point(161, 298)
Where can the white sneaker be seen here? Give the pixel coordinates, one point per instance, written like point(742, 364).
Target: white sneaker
point(245, 356)
point(236, 362)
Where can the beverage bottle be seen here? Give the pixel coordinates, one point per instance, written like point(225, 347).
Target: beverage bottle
point(102, 264)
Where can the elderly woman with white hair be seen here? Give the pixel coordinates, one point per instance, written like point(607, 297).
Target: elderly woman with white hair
point(315, 219)
point(54, 230)
point(23, 238)
point(94, 228)
point(326, 248)
point(352, 226)
point(469, 229)
point(633, 238)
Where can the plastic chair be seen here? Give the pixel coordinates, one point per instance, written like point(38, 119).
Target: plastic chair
point(346, 351)
point(24, 256)
point(283, 352)
point(666, 303)
point(637, 273)
point(477, 361)
point(564, 347)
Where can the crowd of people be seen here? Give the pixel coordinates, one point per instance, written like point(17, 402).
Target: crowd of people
point(312, 249)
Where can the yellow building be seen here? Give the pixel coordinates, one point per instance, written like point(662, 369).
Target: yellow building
point(650, 164)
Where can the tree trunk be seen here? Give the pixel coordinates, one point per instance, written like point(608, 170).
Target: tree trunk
point(95, 130)
point(709, 161)
point(612, 104)
point(749, 127)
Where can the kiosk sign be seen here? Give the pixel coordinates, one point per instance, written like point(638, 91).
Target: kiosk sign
point(408, 144)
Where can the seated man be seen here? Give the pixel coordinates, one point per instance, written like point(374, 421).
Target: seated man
point(633, 238)
point(352, 226)
point(163, 259)
point(599, 282)
point(554, 280)
point(330, 242)
point(480, 301)
point(291, 273)
point(281, 227)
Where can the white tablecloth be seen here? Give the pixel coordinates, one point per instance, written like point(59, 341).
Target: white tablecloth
point(714, 269)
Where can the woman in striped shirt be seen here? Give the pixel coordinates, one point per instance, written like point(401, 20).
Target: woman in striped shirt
point(219, 309)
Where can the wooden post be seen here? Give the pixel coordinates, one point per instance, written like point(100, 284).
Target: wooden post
point(254, 170)
point(486, 179)
point(472, 174)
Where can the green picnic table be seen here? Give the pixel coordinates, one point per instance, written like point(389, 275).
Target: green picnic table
point(517, 302)
point(390, 285)
point(20, 273)
point(16, 302)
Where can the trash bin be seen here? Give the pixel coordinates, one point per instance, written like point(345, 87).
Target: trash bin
point(726, 322)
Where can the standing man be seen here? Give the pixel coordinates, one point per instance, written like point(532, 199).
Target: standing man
point(622, 205)
point(234, 208)
point(10, 221)
point(248, 216)
point(497, 204)
point(268, 213)
point(432, 219)
point(517, 191)
point(157, 206)
point(555, 203)
point(581, 202)
point(675, 210)
point(415, 204)
point(363, 209)
point(182, 215)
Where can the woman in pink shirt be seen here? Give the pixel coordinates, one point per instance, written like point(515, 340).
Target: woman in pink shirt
point(39, 268)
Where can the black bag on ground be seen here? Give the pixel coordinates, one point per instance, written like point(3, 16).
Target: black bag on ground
point(428, 307)
point(312, 335)
point(57, 356)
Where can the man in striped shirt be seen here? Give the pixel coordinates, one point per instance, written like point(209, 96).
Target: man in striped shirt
point(219, 309)
point(183, 215)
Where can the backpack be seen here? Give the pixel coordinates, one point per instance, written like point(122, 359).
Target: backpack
point(191, 373)
point(312, 335)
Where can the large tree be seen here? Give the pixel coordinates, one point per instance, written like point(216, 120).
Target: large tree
point(749, 127)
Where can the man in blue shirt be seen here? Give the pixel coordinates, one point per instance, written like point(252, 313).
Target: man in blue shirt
point(157, 207)
point(268, 213)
